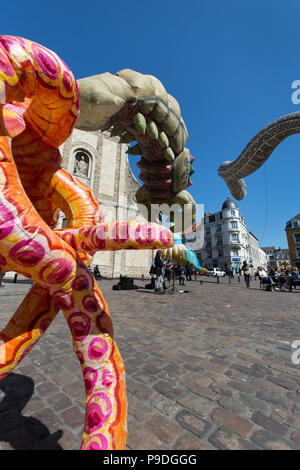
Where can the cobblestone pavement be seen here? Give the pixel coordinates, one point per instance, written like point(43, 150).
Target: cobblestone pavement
point(208, 369)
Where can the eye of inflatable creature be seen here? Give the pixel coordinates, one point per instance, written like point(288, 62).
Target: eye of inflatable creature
point(137, 108)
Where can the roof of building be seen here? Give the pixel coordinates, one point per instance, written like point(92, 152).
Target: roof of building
point(297, 217)
point(229, 204)
point(253, 235)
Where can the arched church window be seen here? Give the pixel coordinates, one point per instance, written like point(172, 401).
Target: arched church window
point(82, 165)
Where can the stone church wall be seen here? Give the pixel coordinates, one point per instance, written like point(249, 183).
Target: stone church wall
point(101, 162)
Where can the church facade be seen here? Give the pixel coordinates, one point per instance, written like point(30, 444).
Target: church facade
point(100, 162)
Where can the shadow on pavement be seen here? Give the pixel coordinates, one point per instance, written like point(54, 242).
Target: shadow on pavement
point(22, 432)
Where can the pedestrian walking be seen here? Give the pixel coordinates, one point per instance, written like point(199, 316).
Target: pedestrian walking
point(246, 271)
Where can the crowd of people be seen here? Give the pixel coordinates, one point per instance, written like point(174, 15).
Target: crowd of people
point(279, 279)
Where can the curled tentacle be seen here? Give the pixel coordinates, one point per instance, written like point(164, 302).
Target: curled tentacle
point(117, 236)
point(38, 109)
point(257, 152)
point(25, 328)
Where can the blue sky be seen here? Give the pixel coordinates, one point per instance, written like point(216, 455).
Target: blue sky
point(230, 64)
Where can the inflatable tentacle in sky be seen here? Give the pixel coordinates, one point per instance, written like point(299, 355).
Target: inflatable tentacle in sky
point(257, 152)
point(39, 106)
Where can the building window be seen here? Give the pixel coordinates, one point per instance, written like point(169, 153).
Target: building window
point(235, 237)
point(209, 254)
point(233, 213)
point(298, 252)
point(220, 241)
point(219, 228)
point(297, 237)
point(296, 223)
point(208, 244)
point(207, 231)
point(82, 165)
point(234, 224)
point(64, 222)
point(235, 251)
point(220, 253)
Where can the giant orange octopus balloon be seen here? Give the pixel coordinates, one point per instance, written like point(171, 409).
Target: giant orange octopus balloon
point(39, 106)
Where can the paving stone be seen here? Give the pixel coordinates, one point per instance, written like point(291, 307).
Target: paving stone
point(237, 374)
point(232, 404)
point(226, 440)
point(141, 438)
point(254, 403)
point(46, 389)
point(138, 389)
point(174, 369)
point(166, 406)
point(267, 386)
point(73, 417)
point(144, 378)
point(167, 377)
point(168, 389)
point(193, 423)
point(279, 401)
point(233, 422)
point(290, 419)
point(190, 443)
point(196, 403)
point(74, 389)
point(269, 441)
point(295, 436)
point(269, 423)
point(61, 377)
point(47, 417)
point(252, 358)
point(27, 370)
point(34, 404)
point(164, 429)
point(223, 389)
point(204, 392)
point(246, 387)
point(60, 402)
point(68, 440)
point(139, 409)
point(248, 371)
point(196, 379)
point(284, 382)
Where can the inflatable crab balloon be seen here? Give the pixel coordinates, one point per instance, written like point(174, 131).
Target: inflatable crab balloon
point(137, 108)
point(39, 106)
